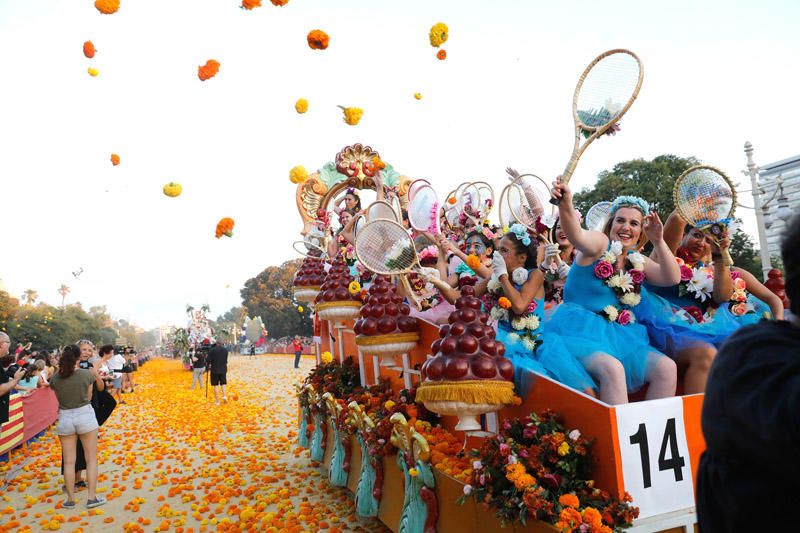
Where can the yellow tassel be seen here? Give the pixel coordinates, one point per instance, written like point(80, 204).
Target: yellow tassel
point(469, 391)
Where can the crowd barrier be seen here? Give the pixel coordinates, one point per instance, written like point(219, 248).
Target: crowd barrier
point(29, 416)
point(650, 449)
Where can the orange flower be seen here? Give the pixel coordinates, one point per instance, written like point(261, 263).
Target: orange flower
point(224, 227)
point(441, 54)
point(318, 40)
point(279, 3)
point(504, 302)
point(378, 162)
point(516, 400)
point(592, 517)
point(524, 481)
point(88, 49)
point(571, 517)
point(107, 7)
point(209, 70)
point(569, 500)
point(473, 261)
point(114, 159)
point(250, 4)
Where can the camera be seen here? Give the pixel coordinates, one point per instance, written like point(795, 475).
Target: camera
point(85, 365)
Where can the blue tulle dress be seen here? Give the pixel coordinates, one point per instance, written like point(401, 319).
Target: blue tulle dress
point(550, 358)
point(672, 329)
point(584, 332)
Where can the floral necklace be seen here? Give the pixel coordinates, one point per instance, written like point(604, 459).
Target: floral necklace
point(625, 282)
point(524, 327)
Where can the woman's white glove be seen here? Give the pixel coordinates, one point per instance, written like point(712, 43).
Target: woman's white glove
point(563, 270)
point(550, 253)
point(498, 265)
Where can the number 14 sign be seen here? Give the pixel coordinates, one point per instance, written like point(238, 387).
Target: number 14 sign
point(655, 456)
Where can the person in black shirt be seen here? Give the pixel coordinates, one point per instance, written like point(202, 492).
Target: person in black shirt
point(218, 364)
point(751, 419)
point(198, 367)
point(7, 380)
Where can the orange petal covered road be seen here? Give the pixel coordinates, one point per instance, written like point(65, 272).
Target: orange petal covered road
point(170, 460)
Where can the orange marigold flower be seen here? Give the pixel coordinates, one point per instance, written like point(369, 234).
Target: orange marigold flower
point(516, 400)
point(114, 159)
point(88, 49)
point(592, 517)
point(524, 481)
point(250, 4)
point(279, 3)
point(378, 162)
point(318, 40)
point(224, 227)
point(209, 70)
point(504, 302)
point(569, 500)
point(441, 54)
point(514, 471)
point(451, 200)
point(571, 517)
point(107, 7)
point(473, 261)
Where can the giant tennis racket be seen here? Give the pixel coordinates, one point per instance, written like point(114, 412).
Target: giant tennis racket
point(706, 199)
point(597, 216)
point(423, 210)
point(476, 200)
point(523, 201)
point(605, 92)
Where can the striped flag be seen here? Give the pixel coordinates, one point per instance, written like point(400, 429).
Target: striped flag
point(11, 434)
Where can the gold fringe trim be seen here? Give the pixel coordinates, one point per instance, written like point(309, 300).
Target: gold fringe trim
point(468, 391)
point(341, 303)
point(306, 287)
point(389, 338)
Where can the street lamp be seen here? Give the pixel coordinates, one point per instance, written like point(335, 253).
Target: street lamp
point(764, 216)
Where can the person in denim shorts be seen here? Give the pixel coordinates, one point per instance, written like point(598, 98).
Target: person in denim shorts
point(77, 420)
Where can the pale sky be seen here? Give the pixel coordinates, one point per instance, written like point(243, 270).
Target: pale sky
point(716, 75)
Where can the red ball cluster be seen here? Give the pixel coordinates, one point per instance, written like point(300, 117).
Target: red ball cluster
point(384, 312)
point(467, 349)
point(311, 273)
point(335, 287)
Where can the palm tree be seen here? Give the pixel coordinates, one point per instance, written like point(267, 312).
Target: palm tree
point(63, 290)
point(30, 296)
point(189, 309)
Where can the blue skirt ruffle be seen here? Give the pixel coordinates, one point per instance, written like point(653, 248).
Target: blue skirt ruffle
point(585, 333)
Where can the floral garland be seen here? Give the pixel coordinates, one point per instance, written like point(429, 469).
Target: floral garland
point(738, 305)
point(535, 469)
point(525, 327)
point(699, 282)
point(626, 283)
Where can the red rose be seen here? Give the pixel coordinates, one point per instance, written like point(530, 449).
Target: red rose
point(695, 311)
point(686, 273)
point(603, 269)
point(636, 275)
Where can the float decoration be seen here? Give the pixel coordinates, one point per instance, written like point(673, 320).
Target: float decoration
point(337, 474)
point(318, 437)
point(468, 376)
point(308, 279)
point(302, 434)
point(420, 508)
point(365, 500)
point(385, 327)
point(334, 301)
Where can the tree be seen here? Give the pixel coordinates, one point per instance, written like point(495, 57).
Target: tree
point(30, 296)
point(63, 290)
point(269, 295)
point(654, 181)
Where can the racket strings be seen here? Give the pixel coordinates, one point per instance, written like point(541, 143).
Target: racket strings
point(423, 211)
point(385, 247)
point(704, 197)
point(607, 89)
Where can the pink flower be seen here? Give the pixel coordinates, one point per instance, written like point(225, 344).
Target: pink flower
point(734, 275)
point(603, 269)
point(636, 275)
point(625, 317)
point(739, 309)
point(532, 306)
point(505, 449)
point(686, 273)
point(482, 479)
point(529, 433)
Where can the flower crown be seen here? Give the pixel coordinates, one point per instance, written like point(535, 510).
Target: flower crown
point(631, 201)
point(521, 233)
point(429, 252)
point(353, 191)
point(490, 234)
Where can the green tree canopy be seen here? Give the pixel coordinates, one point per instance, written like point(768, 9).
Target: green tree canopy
point(269, 295)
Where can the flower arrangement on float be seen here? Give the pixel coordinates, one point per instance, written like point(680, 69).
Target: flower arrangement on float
point(536, 469)
point(468, 375)
point(625, 282)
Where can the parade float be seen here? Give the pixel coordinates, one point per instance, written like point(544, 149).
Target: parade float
point(547, 458)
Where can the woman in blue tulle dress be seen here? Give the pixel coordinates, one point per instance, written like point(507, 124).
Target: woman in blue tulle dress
point(597, 321)
point(689, 321)
point(516, 302)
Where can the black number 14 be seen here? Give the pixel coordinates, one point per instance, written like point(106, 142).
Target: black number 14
point(675, 462)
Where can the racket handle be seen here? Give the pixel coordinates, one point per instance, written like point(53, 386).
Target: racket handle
point(726, 257)
point(555, 201)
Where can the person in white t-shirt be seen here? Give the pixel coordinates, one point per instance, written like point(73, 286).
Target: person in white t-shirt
point(115, 365)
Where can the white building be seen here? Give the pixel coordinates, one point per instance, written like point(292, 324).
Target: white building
point(780, 182)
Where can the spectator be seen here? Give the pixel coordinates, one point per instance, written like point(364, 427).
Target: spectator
point(298, 350)
point(30, 381)
point(77, 420)
point(198, 358)
point(115, 365)
point(750, 420)
point(218, 364)
point(7, 383)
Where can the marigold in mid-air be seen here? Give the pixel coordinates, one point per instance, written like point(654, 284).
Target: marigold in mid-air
point(114, 159)
point(250, 4)
point(93, 72)
point(352, 115)
point(298, 174)
point(224, 227)
point(318, 40)
point(107, 7)
point(438, 34)
point(279, 3)
point(88, 49)
point(418, 96)
point(209, 70)
point(441, 55)
point(301, 106)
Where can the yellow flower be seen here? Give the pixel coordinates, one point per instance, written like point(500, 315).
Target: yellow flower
point(389, 404)
point(418, 96)
point(298, 174)
point(354, 287)
point(352, 115)
point(327, 357)
point(300, 309)
point(438, 34)
point(301, 106)
point(93, 72)
point(563, 449)
point(413, 472)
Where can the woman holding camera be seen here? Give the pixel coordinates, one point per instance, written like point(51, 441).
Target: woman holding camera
point(77, 420)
